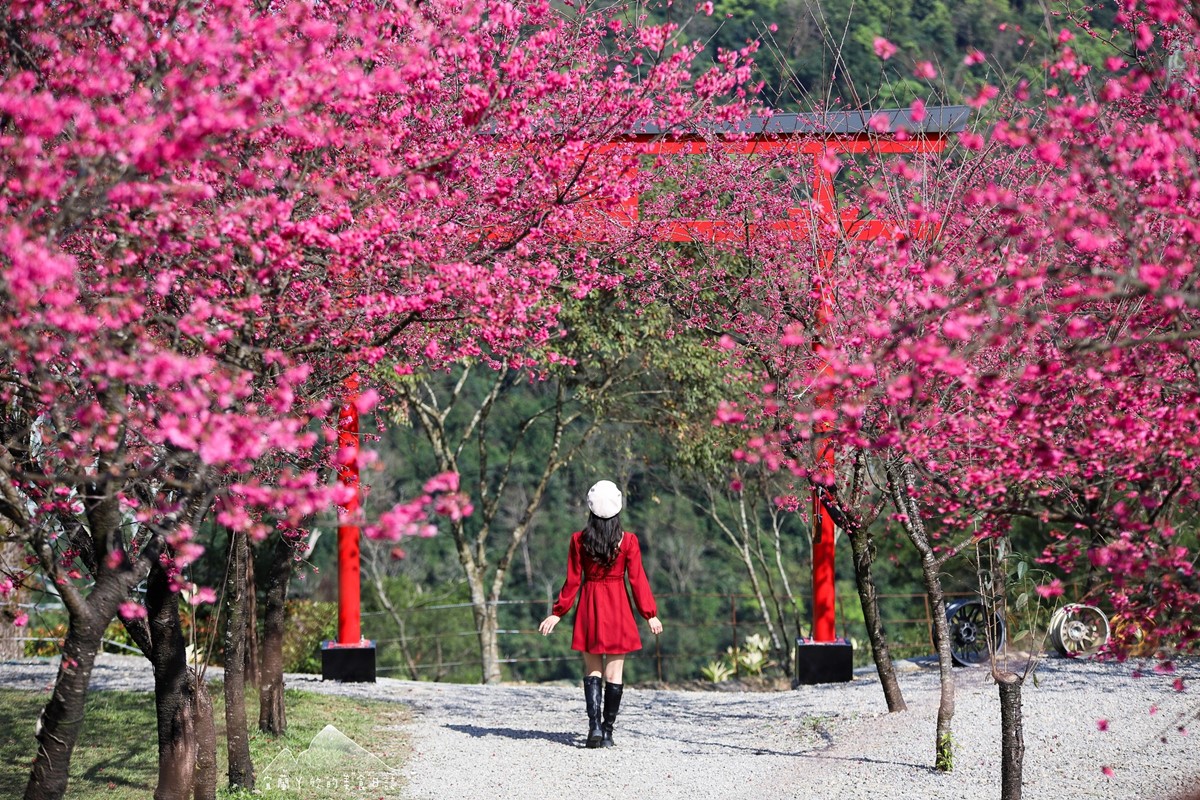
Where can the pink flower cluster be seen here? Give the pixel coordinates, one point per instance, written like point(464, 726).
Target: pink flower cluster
point(1019, 333)
point(214, 214)
point(442, 496)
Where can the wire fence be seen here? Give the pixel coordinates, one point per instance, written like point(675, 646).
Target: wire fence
point(37, 613)
point(440, 641)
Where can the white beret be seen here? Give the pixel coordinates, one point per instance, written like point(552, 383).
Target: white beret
point(604, 499)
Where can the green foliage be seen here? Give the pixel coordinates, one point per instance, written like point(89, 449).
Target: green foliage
point(751, 659)
point(944, 762)
point(717, 671)
point(309, 623)
point(438, 641)
point(821, 53)
point(1027, 612)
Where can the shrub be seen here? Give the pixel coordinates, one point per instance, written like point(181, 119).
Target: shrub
point(308, 624)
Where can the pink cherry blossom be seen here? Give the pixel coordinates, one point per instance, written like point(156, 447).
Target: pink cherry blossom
point(203, 594)
point(879, 123)
point(131, 610)
point(883, 48)
point(925, 70)
point(1051, 590)
point(214, 215)
point(985, 95)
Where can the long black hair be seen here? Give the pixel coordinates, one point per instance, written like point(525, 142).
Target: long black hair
point(602, 539)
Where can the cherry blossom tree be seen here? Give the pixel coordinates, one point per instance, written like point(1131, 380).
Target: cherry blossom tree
point(214, 213)
point(1034, 359)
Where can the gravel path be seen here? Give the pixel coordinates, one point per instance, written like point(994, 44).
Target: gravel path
point(836, 741)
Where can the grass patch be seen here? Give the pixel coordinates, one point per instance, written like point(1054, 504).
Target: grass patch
point(117, 754)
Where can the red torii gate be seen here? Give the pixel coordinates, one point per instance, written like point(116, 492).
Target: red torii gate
point(821, 658)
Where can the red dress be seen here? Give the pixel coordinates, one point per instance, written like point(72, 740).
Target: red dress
point(604, 622)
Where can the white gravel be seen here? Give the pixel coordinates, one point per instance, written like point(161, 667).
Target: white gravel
point(835, 741)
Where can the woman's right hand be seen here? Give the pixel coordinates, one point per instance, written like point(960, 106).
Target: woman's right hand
point(548, 624)
point(655, 625)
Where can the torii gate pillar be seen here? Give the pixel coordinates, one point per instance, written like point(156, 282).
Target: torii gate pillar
point(823, 658)
point(350, 658)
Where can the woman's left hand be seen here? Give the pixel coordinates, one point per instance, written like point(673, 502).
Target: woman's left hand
point(548, 624)
point(655, 625)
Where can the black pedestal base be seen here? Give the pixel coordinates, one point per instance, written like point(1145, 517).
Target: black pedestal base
point(823, 662)
point(349, 663)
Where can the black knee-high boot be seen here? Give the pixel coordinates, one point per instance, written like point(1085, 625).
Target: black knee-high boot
point(612, 704)
point(592, 693)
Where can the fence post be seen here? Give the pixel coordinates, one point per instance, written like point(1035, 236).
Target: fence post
point(733, 623)
point(658, 658)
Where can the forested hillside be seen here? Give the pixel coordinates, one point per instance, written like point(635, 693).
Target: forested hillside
point(821, 53)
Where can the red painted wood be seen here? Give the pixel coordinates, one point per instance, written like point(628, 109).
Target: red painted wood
point(349, 563)
point(824, 593)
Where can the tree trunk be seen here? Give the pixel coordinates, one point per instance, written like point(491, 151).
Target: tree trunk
point(862, 547)
point(1012, 736)
point(11, 563)
point(272, 717)
point(900, 486)
point(863, 550)
point(487, 624)
point(241, 768)
point(206, 740)
point(944, 751)
point(100, 545)
point(60, 721)
point(183, 767)
point(251, 614)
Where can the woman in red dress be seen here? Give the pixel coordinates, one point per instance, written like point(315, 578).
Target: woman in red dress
point(601, 555)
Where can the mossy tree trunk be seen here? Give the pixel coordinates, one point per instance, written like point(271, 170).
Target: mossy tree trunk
point(187, 757)
point(100, 546)
point(902, 491)
point(862, 547)
point(272, 715)
point(853, 515)
point(241, 767)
